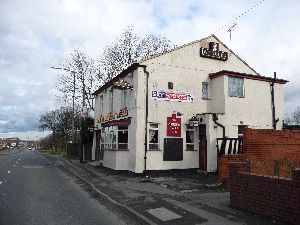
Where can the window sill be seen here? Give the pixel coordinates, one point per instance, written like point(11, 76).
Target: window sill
point(194, 150)
point(154, 150)
point(117, 150)
point(236, 97)
point(205, 99)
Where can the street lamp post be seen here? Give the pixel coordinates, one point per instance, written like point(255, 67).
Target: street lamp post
point(73, 100)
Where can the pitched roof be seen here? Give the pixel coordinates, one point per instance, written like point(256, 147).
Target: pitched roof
point(136, 65)
point(198, 41)
point(121, 75)
point(247, 76)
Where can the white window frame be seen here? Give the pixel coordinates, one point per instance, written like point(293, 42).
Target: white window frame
point(234, 91)
point(205, 84)
point(122, 143)
point(153, 127)
point(190, 129)
point(111, 137)
point(111, 101)
point(124, 98)
point(101, 104)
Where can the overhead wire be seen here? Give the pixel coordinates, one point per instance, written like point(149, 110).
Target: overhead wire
point(232, 22)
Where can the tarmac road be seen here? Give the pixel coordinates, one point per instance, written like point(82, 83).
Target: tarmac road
point(33, 191)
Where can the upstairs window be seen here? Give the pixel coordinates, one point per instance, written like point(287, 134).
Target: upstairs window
point(236, 87)
point(111, 101)
point(101, 105)
point(205, 90)
point(123, 99)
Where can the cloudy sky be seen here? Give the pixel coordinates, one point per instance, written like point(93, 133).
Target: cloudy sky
point(35, 35)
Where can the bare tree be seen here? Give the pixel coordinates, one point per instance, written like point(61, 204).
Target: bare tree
point(80, 76)
point(294, 118)
point(130, 48)
point(59, 121)
point(90, 73)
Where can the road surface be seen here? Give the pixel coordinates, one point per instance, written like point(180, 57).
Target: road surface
point(33, 191)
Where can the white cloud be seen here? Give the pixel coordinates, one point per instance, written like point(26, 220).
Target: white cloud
point(35, 35)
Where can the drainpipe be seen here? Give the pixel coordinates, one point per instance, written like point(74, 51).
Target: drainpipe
point(215, 118)
point(273, 103)
point(146, 123)
point(222, 149)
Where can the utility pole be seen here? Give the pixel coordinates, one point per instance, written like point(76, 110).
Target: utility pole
point(73, 109)
point(273, 103)
point(83, 105)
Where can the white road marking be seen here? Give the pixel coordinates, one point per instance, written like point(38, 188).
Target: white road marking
point(19, 159)
point(8, 171)
point(164, 214)
point(32, 167)
point(1, 182)
point(14, 165)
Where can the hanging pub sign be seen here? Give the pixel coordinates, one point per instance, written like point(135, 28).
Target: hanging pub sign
point(112, 116)
point(172, 96)
point(213, 52)
point(173, 126)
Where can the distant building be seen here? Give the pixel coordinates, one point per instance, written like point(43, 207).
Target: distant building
point(166, 112)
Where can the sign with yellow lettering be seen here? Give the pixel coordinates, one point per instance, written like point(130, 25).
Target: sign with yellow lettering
point(113, 116)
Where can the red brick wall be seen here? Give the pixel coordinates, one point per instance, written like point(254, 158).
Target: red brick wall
point(276, 197)
point(223, 161)
point(270, 152)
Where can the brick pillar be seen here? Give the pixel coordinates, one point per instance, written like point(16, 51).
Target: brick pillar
point(296, 174)
point(238, 167)
point(296, 194)
point(235, 183)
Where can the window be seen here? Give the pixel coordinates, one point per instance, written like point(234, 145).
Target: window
point(153, 136)
point(123, 99)
point(101, 105)
point(115, 138)
point(123, 138)
point(240, 130)
point(190, 139)
point(236, 87)
point(111, 101)
point(205, 90)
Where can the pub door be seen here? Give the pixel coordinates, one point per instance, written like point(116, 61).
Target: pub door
point(97, 155)
point(202, 147)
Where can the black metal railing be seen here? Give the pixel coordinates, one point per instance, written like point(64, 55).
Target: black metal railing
point(229, 146)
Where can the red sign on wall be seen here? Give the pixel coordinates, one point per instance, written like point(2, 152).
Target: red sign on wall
point(173, 126)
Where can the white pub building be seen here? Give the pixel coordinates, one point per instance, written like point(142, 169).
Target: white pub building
point(167, 111)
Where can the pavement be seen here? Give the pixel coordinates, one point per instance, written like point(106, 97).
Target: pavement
point(163, 198)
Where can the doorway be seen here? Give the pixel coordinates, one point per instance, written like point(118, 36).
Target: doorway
point(97, 153)
point(202, 147)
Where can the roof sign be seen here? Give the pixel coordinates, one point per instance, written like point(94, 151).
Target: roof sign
point(213, 52)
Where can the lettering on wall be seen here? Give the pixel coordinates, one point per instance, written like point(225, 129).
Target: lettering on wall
point(172, 96)
point(173, 126)
point(112, 116)
point(213, 52)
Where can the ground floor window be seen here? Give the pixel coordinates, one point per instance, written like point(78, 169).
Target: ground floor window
point(190, 139)
point(114, 138)
point(241, 130)
point(153, 136)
